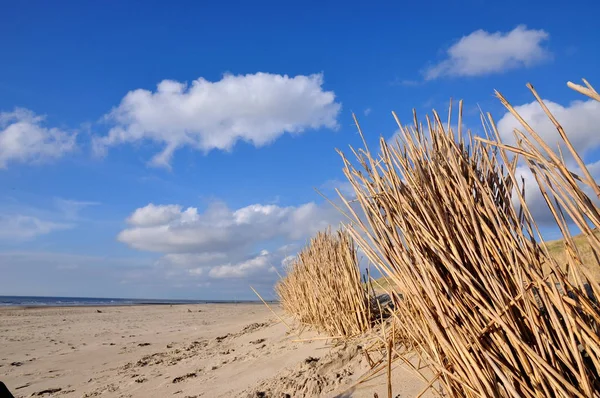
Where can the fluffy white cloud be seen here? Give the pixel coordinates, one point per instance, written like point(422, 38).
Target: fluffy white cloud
point(580, 119)
point(220, 243)
point(483, 53)
point(24, 139)
point(220, 229)
point(152, 215)
point(256, 268)
point(256, 108)
point(536, 202)
point(260, 263)
point(18, 227)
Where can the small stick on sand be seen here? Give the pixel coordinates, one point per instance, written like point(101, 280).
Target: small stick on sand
point(389, 368)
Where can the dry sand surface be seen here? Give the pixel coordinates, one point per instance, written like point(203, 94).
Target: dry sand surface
point(208, 350)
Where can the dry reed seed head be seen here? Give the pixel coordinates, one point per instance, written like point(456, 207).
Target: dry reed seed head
point(488, 309)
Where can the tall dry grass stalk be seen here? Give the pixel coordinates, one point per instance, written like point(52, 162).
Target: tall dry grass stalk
point(322, 287)
point(488, 310)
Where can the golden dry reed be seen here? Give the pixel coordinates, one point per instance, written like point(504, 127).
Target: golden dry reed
point(323, 288)
point(488, 311)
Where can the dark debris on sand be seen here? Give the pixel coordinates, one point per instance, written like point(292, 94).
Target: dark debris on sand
point(184, 377)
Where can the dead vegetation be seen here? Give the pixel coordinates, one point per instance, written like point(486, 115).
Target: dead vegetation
point(484, 304)
point(322, 287)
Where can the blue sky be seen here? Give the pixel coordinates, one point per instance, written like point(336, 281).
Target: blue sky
point(161, 151)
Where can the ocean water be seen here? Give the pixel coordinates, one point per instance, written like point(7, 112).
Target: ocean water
point(30, 301)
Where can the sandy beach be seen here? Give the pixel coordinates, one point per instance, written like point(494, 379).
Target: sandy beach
point(207, 350)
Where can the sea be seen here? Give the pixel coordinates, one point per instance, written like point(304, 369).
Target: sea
point(31, 301)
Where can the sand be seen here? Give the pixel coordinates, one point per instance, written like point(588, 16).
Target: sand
point(208, 350)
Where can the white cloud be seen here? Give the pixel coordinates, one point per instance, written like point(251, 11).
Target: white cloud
point(580, 119)
point(232, 264)
point(24, 139)
point(20, 227)
point(219, 229)
point(243, 269)
point(221, 243)
point(256, 108)
point(152, 215)
point(536, 202)
point(483, 53)
point(368, 111)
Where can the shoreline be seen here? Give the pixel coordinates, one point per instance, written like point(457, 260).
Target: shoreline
point(57, 301)
point(58, 306)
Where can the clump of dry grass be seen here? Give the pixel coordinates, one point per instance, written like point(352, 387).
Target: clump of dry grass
point(487, 308)
point(322, 287)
